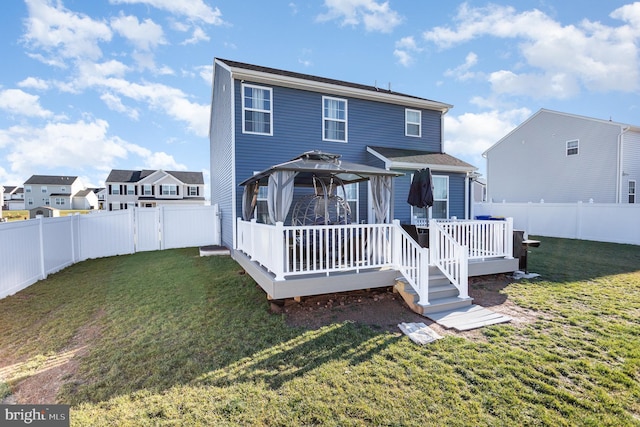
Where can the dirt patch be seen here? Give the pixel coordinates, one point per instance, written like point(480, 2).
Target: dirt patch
point(383, 309)
point(41, 386)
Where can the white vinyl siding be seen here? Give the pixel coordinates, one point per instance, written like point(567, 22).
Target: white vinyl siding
point(412, 123)
point(257, 113)
point(334, 119)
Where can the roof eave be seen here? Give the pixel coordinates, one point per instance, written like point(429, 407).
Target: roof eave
point(335, 89)
point(433, 167)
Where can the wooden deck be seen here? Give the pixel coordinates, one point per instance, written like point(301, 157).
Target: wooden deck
point(442, 295)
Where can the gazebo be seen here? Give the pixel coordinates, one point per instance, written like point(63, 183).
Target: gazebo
point(324, 172)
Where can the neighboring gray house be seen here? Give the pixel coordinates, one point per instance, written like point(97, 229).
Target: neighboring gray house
point(13, 198)
point(60, 192)
point(85, 199)
point(564, 158)
point(150, 188)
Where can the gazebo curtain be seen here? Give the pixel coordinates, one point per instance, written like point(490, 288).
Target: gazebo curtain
point(280, 195)
point(249, 200)
point(381, 194)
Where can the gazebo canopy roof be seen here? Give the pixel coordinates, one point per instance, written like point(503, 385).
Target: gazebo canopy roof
point(321, 165)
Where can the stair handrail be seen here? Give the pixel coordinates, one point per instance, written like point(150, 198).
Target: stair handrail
point(450, 257)
point(412, 261)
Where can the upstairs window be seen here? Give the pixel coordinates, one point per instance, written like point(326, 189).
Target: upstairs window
point(194, 191)
point(59, 201)
point(257, 114)
point(412, 123)
point(632, 191)
point(334, 119)
point(47, 201)
point(27, 189)
point(572, 147)
point(169, 190)
point(43, 189)
point(147, 190)
point(131, 189)
point(115, 189)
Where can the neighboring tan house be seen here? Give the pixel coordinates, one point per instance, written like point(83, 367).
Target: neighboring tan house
point(150, 188)
point(60, 192)
point(564, 158)
point(13, 198)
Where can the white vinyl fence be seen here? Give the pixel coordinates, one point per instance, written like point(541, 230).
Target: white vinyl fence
point(30, 250)
point(602, 222)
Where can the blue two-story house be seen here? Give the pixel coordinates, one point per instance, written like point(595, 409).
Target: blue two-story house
point(263, 116)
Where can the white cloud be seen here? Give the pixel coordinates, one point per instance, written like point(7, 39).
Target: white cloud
point(16, 101)
point(374, 15)
point(144, 35)
point(467, 136)
point(194, 10)
point(115, 103)
point(404, 50)
point(63, 33)
point(206, 73)
point(79, 146)
point(463, 72)
point(166, 99)
point(197, 36)
point(34, 83)
point(589, 55)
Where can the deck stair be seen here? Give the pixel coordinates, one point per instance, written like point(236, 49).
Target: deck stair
point(445, 307)
point(442, 294)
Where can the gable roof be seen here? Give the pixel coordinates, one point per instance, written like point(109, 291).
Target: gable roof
point(400, 158)
point(51, 180)
point(121, 175)
point(267, 75)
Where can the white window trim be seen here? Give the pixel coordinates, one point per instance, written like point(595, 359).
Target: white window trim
point(194, 192)
point(577, 147)
point(270, 90)
point(355, 216)
point(346, 119)
point(164, 191)
point(430, 210)
point(635, 191)
point(407, 123)
point(130, 187)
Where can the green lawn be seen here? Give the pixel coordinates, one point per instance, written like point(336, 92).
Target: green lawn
point(175, 339)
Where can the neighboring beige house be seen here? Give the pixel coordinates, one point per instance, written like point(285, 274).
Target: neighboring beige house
point(150, 188)
point(13, 198)
point(60, 192)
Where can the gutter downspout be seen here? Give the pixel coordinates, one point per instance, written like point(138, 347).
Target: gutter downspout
point(619, 166)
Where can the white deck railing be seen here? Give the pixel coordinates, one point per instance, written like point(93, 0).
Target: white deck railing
point(483, 238)
point(288, 251)
point(298, 250)
point(412, 261)
point(450, 257)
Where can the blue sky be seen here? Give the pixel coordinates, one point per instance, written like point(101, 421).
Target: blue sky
point(90, 86)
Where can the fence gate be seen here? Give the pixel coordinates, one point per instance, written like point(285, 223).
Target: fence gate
point(148, 233)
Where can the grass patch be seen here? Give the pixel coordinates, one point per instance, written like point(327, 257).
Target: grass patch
point(189, 340)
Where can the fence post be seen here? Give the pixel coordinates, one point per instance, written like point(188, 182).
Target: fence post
point(509, 238)
point(43, 272)
point(160, 225)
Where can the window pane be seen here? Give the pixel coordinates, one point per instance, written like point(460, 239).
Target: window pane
point(413, 130)
point(413, 117)
point(334, 130)
point(440, 190)
point(439, 209)
point(257, 122)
